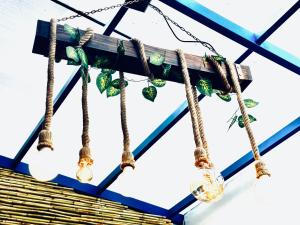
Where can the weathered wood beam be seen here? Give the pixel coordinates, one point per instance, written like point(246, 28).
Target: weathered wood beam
point(106, 47)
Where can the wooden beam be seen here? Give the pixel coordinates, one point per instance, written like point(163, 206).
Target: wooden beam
point(106, 47)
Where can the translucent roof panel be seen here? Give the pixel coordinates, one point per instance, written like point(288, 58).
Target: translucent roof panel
point(23, 78)
point(256, 15)
point(168, 165)
point(241, 197)
point(285, 36)
point(151, 28)
point(105, 125)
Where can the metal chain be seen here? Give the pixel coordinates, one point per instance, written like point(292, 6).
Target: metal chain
point(99, 10)
point(205, 44)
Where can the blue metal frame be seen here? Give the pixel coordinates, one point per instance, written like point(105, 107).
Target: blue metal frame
point(271, 30)
point(216, 22)
point(92, 190)
point(266, 146)
point(163, 128)
point(235, 32)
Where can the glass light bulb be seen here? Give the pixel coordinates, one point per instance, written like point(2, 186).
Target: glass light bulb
point(207, 187)
point(127, 174)
point(42, 166)
point(84, 174)
point(263, 192)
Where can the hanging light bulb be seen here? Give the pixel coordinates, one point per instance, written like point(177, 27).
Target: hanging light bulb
point(38, 167)
point(84, 174)
point(126, 176)
point(209, 186)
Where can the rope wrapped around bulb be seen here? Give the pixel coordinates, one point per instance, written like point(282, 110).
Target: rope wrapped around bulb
point(85, 152)
point(202, 160)
point(261, 169)
point(127, 156)
point(45, 136)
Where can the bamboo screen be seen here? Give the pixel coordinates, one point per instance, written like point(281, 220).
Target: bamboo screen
point(24, 200)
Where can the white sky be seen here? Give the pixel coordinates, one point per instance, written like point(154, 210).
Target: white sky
point(163, 174)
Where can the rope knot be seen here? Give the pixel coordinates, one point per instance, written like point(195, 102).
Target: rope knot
point(127, 160)
point(85, 156)
point(261, 169)
point(45, 140)
point(201, 160)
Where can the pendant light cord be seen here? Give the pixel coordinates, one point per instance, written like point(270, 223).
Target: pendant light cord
point(201, 160)
point(45, 135)
point(85, 152)
point(127, 156)
point(142, 55)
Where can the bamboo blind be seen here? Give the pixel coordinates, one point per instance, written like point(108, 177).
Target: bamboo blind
point(24, 200)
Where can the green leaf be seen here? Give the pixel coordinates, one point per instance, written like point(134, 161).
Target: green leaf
point(224, 97)
point(167, 70)
point(83, 58)
point(218, 58)
point(157, 59)
point(72, 54)
point(233, 121)
point(204, 86)
point(241, 120)
point(150, 93)
point(72, 62)
point(108, 71)
point(101, 61)
point(103, 81)
point(117, 84)
point(112, 91)
point(158, 82)
point(250, 103)
point(71, 31)
point(83, 75)
point(121, 49)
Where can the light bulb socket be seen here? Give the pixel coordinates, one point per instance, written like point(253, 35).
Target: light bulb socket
point(45, 140)
point(201, 160)
point(85, 156)
point(261, 169)
point(127, 160)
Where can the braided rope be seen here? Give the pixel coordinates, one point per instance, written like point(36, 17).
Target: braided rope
point(85, 153)
point(45, 136)
point(200, 123)
point(221, 69)
point(201, 160)
point(142, 55)
point(127, 157)
point(259, 165)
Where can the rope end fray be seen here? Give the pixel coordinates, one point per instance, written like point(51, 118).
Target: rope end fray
point(261, 169)
point(127, 160)
point(45, 140)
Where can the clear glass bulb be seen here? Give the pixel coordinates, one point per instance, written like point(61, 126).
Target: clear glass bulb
point(263, 192)
point(127, 174)
point(84, 174)
point(207, 187)
point(42, 166)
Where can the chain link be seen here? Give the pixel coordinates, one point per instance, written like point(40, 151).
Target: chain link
point(203, 43)
point(100, 10)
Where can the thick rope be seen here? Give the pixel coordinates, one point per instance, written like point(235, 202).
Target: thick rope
point(45, 136)
point(200, 122)
point(221, 69)
point(126, 140)
point(85, 154)
point(259, 165)
point(142, 55)
point(127, 156)
point(50, 71)
point(201, 160)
